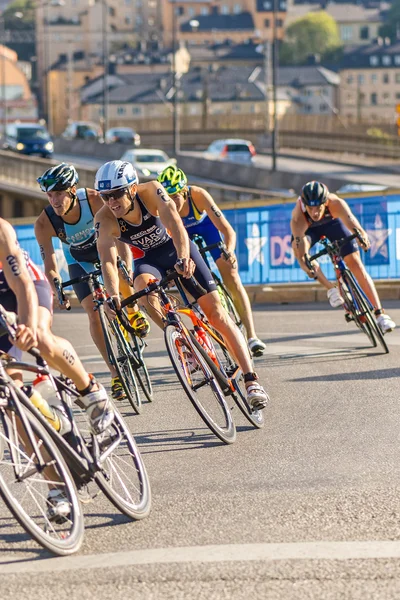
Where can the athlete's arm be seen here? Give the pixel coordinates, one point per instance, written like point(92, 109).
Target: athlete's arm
point(44, 233)
point(204, 201)
point(298, 226)
point(21, 284)
point(170, 218)
point(341, 210)
point(106, 229)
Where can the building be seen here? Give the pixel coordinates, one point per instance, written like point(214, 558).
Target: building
point(358, 24)
point(370, 83)
point(16, 99)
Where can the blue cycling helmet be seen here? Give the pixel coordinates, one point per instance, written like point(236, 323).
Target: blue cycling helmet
point(314, 193)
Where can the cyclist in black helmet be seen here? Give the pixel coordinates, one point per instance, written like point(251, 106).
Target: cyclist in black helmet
point(319, 213)
point(70, 217)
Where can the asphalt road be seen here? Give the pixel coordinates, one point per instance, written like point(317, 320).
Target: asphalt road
point(351, 173)
point(306, 508)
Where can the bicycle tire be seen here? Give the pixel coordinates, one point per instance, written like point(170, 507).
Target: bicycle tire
point(255, 417)
point(142, 371)
point(226, 432)
point(366, 321)
point(122, 362)
point(231, 308)
point(62, 546)
point(134, 509)
point(351, 307)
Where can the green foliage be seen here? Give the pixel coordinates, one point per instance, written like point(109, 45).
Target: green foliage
point(26, 15)
point(375, 132)
point(392, 24)
point(315, 33)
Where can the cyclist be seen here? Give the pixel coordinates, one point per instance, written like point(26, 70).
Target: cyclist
point(201, 216)
point(24, 290)
point(70, 217)
point(319, 213)
point(144, 216)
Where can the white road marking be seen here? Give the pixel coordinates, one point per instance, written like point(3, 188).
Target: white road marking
point(210, 554)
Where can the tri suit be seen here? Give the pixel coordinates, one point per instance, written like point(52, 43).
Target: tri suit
point(9, 300)
point(328, 226)
point(79, 241)
point(154, 251)
point(199, 223)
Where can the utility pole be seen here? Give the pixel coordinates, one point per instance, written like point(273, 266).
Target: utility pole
point(3, 77)
point(175, 80)
point(267, 79)
point(275, 51)
point(105, 66)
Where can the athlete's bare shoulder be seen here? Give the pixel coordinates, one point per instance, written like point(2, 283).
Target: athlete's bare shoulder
point(95, 200)
point(7, 231)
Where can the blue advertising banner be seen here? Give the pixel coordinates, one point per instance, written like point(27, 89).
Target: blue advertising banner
point(263, 241)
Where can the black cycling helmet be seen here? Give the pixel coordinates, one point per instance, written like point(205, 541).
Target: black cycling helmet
point(58, 178)
point(314, 193)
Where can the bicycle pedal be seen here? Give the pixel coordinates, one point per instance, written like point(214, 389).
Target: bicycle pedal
point(348, 318)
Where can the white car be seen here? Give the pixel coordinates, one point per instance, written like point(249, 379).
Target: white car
point(232, 149)
point(124, 135)
point(149, 163)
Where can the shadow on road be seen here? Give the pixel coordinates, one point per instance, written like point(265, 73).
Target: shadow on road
point(280, 360)
point(172, 440)
point(309, 336)
point(356, 376)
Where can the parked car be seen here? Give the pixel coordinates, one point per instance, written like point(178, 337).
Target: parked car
point(125, 135)
point(232, 149)
point(82, 130)
point(28, 138)
point(148, 162)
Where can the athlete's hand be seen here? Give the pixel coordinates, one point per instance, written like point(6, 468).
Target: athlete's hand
point(364, 242)
point(110, 304)
point(306, 266)
point(185, 267)
point(230, 258)
point(25, 338)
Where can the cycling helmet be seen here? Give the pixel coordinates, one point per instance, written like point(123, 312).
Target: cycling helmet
point(58, 178)
point(314, 193)
point(173, 179)
point(115, 175)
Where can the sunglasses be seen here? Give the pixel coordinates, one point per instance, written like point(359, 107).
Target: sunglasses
point(114, 195)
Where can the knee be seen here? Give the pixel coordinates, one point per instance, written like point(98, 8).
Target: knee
point(216, 314)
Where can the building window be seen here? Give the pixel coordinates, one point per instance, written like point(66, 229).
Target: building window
point(225, 9)
point(128, 2)
point(346, 32)
point(397, 77)
point(349, 79)
point(385, 78)
point(128, 20)
point(204, 10)
point(282, 5)
point(361, 79)
point(279, 23)
point(397, 60)
point(323, 107)
point(139, 20)
point(237, 8)
point(267, 5)
point(364, 32)
point(267, 23)
point(374, 78)
point(373, 61)
point(386, 97)
point(121, 110)
point(191, 11)
point(398, 96)
point(136, 110)
point(386, 60)
point(374, 99)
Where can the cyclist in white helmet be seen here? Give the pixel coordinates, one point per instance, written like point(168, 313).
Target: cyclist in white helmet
point(144, 217)
point(70, 217)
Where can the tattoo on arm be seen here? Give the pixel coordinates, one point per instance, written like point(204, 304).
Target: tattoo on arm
point(216, 211)
point(14, 266)
point(164, 197)
point(297, 240)
point(42, 254)
point(351, 217)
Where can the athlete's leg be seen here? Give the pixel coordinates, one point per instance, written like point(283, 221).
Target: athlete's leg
point(96, 331)
point(354, 262)
point(151, 302)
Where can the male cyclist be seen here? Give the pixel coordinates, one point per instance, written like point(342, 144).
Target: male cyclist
point(201, 216)
point(320, 213)
point(25, 291)
point(70, 217)
point(143, 216)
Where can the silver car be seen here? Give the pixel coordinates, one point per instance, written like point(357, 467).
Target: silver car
point(232, 149)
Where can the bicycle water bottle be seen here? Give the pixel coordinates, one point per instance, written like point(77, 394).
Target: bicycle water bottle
point(45, 389)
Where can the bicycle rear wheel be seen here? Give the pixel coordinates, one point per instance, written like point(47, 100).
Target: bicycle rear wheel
point(119, 355)
point(24, 485)
point(229, 305)
point(142, 372)
point(200, 384)
point(363, 313)
point(123, 477)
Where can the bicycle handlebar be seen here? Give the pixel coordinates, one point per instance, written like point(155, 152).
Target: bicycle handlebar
point(10, 327)
point(220, 245)
point(309, 259)
point(62, 299)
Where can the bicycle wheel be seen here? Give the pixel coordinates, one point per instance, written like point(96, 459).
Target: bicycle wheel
point(229, 367)
point(200, 384)
point(363, 313)
point(24, 485)
point(230, 307)
point(119, 355)
point(142, 372)
point(123, 477)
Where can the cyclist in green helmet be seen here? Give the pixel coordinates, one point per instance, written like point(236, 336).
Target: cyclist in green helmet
point(201, 216)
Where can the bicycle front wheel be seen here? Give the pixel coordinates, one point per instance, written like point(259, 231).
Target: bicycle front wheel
point(200, 384)
point(25, 485)
point(123, 477)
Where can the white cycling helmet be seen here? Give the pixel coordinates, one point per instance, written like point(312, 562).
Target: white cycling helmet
point(115, 175)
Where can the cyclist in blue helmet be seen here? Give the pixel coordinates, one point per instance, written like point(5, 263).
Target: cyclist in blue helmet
point(319, 213)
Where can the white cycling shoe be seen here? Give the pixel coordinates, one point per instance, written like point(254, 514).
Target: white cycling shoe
point(334, 297)
point(257, 397)
point(99, 409)
point(256, 346)
point(385, 323)
point(59, 508)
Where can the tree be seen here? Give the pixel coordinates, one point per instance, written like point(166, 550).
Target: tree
point(391, 27)
point(316, 33)
point(20, 14)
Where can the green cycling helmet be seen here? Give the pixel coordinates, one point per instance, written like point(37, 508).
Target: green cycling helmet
point(172, 179)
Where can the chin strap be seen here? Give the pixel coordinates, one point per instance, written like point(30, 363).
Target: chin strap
point(132, 199)
point(71, 206)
